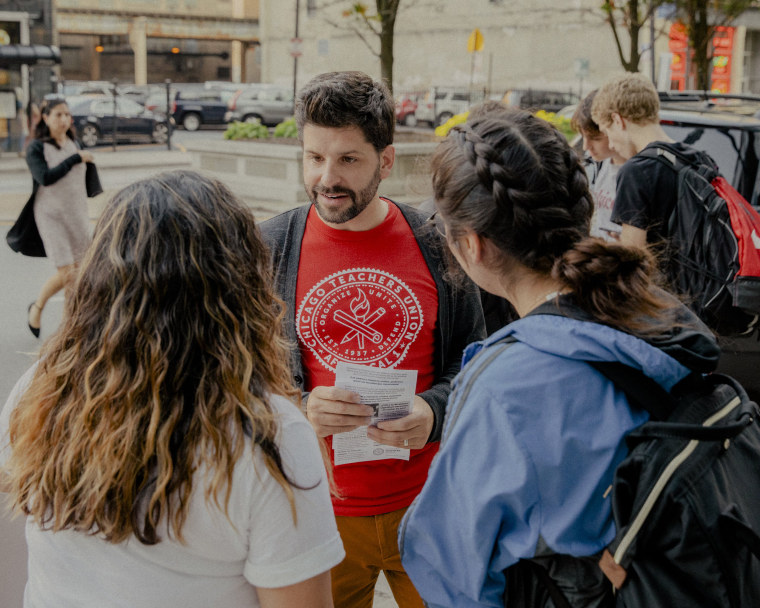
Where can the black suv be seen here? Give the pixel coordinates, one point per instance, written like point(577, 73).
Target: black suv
point(726, 126)
point(194, 107)
point(539, 99)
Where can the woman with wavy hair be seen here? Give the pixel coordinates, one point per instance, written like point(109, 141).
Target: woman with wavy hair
point(155, 448)
point(533, 433)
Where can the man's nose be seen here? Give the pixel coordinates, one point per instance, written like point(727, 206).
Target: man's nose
point(330, 176)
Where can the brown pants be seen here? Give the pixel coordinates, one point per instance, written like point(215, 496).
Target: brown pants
point(371, 546)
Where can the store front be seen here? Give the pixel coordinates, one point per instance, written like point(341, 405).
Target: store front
point(17, 63)
point(26, 74)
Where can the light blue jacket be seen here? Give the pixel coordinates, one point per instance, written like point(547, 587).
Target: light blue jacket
point(528, 452)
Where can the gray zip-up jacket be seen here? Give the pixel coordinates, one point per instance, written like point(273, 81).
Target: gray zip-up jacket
point(460, 315)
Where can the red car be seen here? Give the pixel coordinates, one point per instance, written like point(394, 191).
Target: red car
point(406, 106)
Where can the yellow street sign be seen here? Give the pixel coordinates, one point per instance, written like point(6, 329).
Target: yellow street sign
point(475, 41)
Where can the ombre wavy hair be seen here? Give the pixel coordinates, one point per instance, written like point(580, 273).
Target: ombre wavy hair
point(168, 353)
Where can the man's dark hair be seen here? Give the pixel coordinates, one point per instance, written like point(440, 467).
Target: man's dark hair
point(348, 99)
point(582, 120)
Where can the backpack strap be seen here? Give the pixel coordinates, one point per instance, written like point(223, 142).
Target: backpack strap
point(701, 162)
point(641, 391)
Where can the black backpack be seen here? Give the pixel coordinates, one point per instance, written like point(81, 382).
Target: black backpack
point(712, 253)
point(686, 499)
point(686, 503)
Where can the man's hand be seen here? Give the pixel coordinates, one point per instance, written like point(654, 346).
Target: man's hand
point(336, 410)
point(415, 428)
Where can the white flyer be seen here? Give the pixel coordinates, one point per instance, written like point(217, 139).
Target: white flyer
point(390, 392)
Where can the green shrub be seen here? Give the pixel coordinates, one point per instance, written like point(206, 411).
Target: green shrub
point(246, 130)
point(562, 123)
point(287, 128)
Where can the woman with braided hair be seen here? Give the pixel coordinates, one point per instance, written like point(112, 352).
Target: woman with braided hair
point(156, 448)
point(533, 433)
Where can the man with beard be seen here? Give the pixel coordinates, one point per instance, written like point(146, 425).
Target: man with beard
point(362, 280)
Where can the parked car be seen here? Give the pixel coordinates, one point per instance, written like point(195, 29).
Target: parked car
point(194, 107)
point(139, 92)
point(539, 99)
point(93, 119)
point(441, 103)
point(406, 108)
point(733, 141)
point(269, 104)
point(91, 87)
point(156, 101)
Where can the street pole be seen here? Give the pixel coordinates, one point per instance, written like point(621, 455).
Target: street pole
point(651, 41)
point(114, 82)
point(295, 55)
point(168, 83)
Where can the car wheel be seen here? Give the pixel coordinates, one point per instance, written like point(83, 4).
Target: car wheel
point(253, 118)
point(410, 120)
point(443, 117)
point(89, 136)
point(191, 121)
point(160, 133)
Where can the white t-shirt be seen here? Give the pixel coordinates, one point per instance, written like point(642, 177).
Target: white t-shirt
point(602, 183)
point(220, 561)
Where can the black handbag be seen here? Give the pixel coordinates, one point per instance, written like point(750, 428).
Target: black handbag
point(92, 180)
point(23, 237)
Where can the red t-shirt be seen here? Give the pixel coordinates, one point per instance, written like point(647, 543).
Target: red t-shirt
point(368, 297)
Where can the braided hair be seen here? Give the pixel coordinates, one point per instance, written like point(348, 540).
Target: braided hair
point(512, 178)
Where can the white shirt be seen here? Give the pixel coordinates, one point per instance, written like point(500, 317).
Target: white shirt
point(220, 560)
point(602, 184)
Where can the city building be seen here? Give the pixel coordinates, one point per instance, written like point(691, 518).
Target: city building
point(28, 57)
point(148, 41)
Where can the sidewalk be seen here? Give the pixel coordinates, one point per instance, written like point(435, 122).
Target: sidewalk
point(132, 157)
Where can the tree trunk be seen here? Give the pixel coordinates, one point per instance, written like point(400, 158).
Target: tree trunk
point(632, 23)
point(387, 10)
point(632, 65)
point(700, 35)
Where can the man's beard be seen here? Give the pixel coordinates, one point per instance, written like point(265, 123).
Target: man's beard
point(359, 201)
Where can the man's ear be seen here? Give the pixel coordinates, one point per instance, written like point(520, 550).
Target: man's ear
point(618, 121)
point(387, 157)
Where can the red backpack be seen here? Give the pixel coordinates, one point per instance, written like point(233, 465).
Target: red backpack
point(713, 245)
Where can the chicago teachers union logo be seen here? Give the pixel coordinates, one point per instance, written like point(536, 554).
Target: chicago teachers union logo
point(360, 316)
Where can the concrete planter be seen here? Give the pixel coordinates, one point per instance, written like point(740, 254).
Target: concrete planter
point(269, 175)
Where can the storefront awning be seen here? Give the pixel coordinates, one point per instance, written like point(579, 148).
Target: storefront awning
point(12, 55)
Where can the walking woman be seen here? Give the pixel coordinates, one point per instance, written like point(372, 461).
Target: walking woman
point(155, 447)
point(533, 433)
point(60, 200)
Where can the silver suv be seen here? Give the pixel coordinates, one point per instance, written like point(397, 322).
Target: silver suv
point(441, 103)
point(269, 104)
